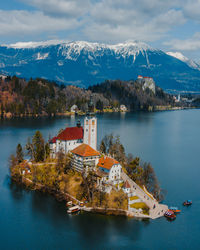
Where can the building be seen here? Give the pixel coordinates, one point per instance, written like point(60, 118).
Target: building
point(109, 169)
point(72, 137)
point(90, 131)
point(74, 108)
point(123, 108)
point(84, 158)
point(66, 141)
point(147, 82)
point(126, 187)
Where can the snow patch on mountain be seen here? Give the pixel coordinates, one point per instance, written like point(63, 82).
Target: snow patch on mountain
point(32, 45)
point(178, 55)
point(73, 50)
point(41, 56)
point(183, 58)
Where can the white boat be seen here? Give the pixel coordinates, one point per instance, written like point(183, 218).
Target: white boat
point(73, 209)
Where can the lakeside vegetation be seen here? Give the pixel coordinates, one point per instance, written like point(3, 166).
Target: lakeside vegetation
point(57, 177)
point(39, 97)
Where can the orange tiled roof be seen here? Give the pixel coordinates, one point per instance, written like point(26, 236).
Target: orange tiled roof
point(127, 185)
point(107, 162)
point(85, 150)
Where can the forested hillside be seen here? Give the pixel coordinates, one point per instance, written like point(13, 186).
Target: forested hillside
point(131, 94)
point(19, 97)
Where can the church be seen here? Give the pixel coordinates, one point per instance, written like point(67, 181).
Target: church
point(72, 137)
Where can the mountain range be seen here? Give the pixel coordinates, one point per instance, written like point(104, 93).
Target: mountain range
point(84, 64)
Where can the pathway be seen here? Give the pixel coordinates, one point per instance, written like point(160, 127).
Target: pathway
point(156, 210)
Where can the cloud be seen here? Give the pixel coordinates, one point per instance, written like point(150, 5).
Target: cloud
point(97, 20)
point(61, 8)
point(22, 22)
point(192, 9)
point(115, 20)
point(190, 44)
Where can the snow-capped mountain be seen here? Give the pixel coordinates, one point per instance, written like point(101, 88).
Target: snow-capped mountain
point(84, 63)
point(183, 58)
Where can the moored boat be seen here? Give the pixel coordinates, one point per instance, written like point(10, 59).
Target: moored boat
point(69, 204)
point(175, 209)
point(73, 209)
point(170, 215)
point(187, 203)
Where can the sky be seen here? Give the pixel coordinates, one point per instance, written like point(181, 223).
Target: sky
point(170, 25)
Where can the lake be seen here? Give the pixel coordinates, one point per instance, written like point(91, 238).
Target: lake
point(169, 140)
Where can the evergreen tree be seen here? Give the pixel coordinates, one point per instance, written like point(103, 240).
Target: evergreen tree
point(29, 148)
point(19, 153)
point(99, 105)
point(38, 147)
point(47, 150)
point(102, 147)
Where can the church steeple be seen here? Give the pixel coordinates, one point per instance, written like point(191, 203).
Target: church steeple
point(90, 126)
point(91, 107)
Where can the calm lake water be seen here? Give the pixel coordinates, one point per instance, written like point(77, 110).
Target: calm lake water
point(169, 140)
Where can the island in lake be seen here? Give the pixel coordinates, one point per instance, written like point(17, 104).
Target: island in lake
point(70, 167)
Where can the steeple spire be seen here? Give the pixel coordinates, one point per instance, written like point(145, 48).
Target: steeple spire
point(91, 107)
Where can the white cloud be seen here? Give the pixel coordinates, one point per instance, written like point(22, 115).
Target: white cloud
point(25, 22)
point(61, 8)
point(190, 44)
point(192, 9)
point(119, 21)
point(99, 20)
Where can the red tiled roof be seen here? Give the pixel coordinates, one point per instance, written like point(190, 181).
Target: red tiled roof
point(107, 162)
point(53, 140)
point(85, 150)
point(73, 133)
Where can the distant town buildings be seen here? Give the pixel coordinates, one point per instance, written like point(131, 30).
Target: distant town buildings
point(147, 82)
point(123, 108)
point(74, 108)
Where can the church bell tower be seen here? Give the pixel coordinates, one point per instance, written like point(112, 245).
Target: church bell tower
point(90, 127)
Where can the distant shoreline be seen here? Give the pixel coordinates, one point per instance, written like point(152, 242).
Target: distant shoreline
point(69, 114)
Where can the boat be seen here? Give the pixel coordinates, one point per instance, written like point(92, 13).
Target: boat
point(187, 203)
point(170, 215)
point(73, 209)
point(69, 204)
point(175, 209)
point(81, 204)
